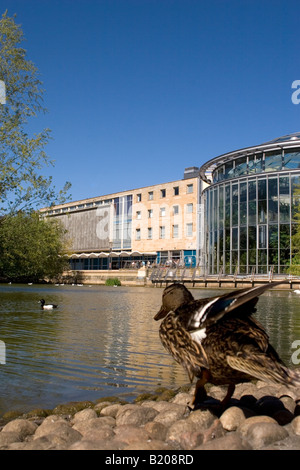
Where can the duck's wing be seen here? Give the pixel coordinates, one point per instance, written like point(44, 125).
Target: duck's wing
point(204, 312)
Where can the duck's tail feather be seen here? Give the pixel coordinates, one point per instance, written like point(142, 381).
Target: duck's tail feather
point(294, 375)
point(264, 368)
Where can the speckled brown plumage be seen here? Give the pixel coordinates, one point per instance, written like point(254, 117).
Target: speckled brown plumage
point(217, 339)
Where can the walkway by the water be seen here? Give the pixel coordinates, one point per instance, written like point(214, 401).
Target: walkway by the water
point(197, 278)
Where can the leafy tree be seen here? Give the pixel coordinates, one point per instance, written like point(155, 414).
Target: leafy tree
point(31, 247)
point(22, 156)
point(295, 265)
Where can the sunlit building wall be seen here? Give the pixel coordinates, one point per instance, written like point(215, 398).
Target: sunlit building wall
point(152, 224)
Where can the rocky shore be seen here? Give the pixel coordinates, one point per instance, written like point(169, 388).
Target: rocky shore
point(259, 416)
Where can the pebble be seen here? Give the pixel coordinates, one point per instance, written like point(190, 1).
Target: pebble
point(262, 434)
point(22, 427)
point(232, 418)
point(258, 417)
point(296, 425)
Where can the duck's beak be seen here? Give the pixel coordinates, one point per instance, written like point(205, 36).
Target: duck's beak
point(161, 314)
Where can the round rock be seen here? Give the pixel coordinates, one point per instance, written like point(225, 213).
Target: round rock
point(262, 434)
point(94, 424)
point(111, 410)
point(137, 416)
point(243, 428)
point(232, 441)
point(232, 418)
point(202, 418)
point(22, 427)
point(60, 429)
point(84, 415)
point(8, 437)
point(179, 429)
point(157, 431)
point(296, 425)
point(131, 434)
point(171, 414)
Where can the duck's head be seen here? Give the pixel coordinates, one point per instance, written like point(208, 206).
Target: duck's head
point(42, 302)
point(173, 297)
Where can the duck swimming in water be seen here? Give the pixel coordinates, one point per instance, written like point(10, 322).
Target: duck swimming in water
point(45, 306)
point(218, 341)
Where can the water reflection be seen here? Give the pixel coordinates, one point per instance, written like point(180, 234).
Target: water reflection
point(101, 341)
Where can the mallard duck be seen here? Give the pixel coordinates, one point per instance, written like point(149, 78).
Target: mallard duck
point(218, 341)
point(45, 306)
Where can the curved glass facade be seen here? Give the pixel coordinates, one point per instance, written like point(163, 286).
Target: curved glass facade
point(277, 160)
point(252, 212)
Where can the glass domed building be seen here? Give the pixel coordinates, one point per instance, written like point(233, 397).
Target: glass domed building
point(252, 208)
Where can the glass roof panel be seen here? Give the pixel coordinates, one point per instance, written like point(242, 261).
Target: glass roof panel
point(285, 138)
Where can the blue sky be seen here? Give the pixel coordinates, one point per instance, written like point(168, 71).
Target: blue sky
point(137, 90)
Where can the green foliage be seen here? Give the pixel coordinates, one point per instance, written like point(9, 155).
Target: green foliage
point(22, 187)
point(113, 281)
point(31, 248)
point(294, 268)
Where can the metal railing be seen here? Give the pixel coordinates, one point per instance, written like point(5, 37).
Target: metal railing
point(178, 273)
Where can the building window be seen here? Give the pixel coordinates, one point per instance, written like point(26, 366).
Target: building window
point(291, 159)
point(150, 195)
point(162, 211)
point(189, 230)
point(138, 197)
point(138, 214)
point(162, 193)
point(262, 236)
point(149, 233)
point(138, 234)
point(176, 190)
point(175, 210)
point(189, 208)
point(189, 188)
point(273, 161)
point(175, 231)
point(122, 220)
point(150, 213)
point(162, 232)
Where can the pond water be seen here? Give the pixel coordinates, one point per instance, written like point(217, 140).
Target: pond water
point(102, 341)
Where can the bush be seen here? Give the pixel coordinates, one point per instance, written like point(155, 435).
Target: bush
point(32, 248)
point(113, 281)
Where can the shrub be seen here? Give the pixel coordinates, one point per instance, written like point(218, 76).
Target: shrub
point(113, 281)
